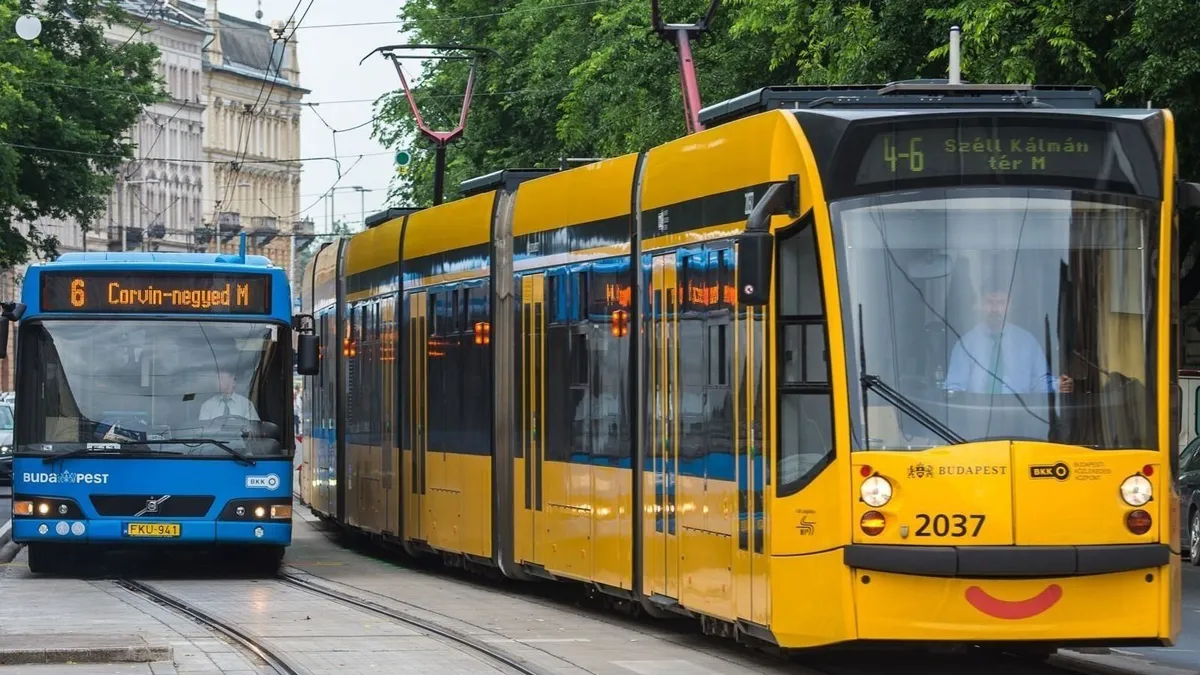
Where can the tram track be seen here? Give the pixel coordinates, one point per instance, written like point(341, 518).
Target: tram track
point(281, 663)
point(509, 661)
point(820, 662)
point(277, 661)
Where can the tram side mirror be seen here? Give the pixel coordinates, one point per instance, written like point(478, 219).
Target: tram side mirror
point(755, 251)
point(308, 358)
point(756, 246)
point(9, 312)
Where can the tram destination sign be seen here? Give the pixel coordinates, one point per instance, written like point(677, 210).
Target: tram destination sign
point(995, 150)
point(148, 292)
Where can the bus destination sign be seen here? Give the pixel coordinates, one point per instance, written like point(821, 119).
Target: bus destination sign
point(137, 292)
point(972, 150)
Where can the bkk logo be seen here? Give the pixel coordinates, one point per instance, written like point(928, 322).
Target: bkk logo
point(269, 481)
point(67, 477)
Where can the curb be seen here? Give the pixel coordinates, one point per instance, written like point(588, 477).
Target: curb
point(129, 654)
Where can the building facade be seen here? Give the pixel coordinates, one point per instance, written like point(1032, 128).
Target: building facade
point(251, 82)
point(218, 158)
point(157, 198)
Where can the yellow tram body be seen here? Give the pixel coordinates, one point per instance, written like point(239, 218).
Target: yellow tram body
point(554, 376)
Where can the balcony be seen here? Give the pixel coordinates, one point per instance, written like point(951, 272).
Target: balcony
point(133, 238)
point(303, 232)
point(264, 229)
point(229, 225)
point(201, 236)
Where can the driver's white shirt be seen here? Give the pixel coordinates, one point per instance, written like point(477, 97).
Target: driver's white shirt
point(239, 406)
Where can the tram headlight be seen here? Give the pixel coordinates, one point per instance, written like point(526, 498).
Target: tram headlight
point(1136, 490)
point(876, 491)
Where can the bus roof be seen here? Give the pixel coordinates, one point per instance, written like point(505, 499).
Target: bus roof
point(77, 258)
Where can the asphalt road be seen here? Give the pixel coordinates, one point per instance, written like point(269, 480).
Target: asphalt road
point(5, 503)
point(5, 509)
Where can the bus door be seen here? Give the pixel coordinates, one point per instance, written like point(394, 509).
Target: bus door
point(418, 412)
point(662, 540)
point(533, 521)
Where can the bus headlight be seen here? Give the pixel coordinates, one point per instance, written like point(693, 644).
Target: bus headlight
point(5, 450)
point(877, 491)
point(1136, 490)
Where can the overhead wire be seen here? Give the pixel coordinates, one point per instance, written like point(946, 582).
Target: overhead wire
point(445, 19)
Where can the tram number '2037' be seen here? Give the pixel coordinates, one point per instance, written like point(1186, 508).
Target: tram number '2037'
point(952, 525)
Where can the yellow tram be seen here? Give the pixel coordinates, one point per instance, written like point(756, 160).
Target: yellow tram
point(875, 364)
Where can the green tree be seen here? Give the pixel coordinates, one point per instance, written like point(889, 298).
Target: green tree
point(590, 79)
point(67, 100)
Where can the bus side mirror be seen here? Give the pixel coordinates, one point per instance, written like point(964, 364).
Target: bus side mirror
point(308, 358)
point(756, 246)
point(9, 312)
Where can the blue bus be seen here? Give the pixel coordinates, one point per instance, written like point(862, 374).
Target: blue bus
point(154, 405)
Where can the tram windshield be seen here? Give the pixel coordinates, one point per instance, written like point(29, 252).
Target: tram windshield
point(998, 314)
point(187, 388)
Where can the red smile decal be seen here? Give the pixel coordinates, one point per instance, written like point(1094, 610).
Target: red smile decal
point(1020, 609)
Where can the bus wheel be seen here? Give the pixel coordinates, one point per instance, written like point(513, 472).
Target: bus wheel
point(49, 559)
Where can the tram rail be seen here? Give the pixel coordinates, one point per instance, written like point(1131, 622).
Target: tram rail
point(508, 661)
point(274, 659)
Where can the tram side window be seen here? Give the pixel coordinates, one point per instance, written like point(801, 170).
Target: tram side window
point(805, 407)
point(559, 399)
point(477, 376)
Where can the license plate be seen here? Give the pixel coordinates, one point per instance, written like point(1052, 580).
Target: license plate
point(152, 530)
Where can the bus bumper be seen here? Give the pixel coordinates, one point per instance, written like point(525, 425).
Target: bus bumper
point(115, 532)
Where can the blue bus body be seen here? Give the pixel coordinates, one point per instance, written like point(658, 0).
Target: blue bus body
point(127, 367)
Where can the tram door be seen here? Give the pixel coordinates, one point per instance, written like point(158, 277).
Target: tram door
point(532, 523)
point(751, 562)
point(418, 413)
point(662, 536)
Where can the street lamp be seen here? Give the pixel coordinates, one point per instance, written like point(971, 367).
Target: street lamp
point(362, 202)
point(29, 27)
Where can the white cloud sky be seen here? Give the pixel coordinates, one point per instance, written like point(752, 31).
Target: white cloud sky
point(329, 67)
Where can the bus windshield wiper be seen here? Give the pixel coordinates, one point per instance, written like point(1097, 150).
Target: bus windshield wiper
point(121, 449)
point(242, 457)
point(906, 406)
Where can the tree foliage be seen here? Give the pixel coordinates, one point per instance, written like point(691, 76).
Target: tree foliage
point(67, 100)
point(591, 79)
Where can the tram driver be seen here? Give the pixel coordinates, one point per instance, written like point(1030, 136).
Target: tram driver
point(999, 357)
point(227, 403)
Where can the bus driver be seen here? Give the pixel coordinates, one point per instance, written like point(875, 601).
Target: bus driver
point(995, 348)
point(227, 403)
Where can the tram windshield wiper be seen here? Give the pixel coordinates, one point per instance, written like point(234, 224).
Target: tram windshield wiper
point(906, 406)
point(241, 457)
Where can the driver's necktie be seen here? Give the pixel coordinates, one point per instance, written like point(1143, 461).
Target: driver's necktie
point(225, 400)
point(998, 370)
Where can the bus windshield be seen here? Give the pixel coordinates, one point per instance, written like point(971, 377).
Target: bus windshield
point(187, 388)
point(998, 314)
